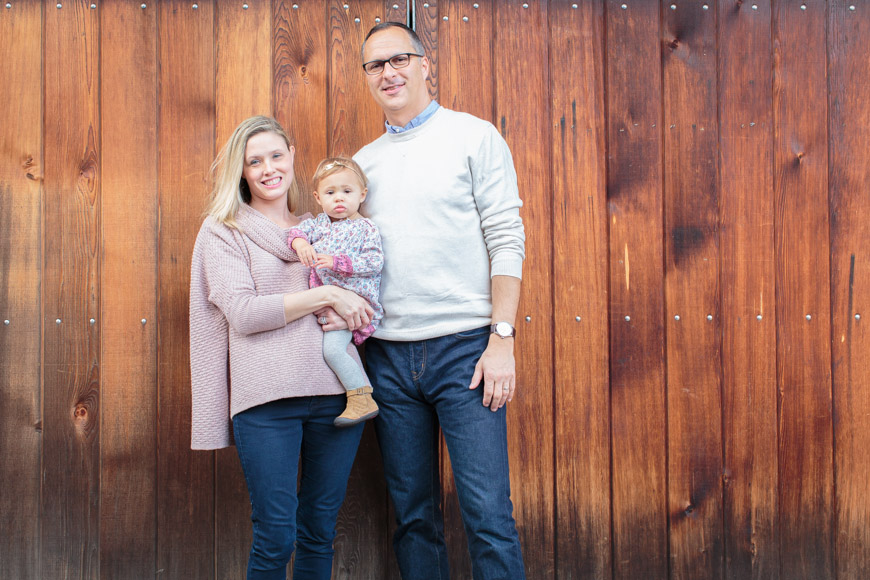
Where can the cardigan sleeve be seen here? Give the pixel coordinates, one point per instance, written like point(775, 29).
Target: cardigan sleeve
point(209, 363)
point(231, 286)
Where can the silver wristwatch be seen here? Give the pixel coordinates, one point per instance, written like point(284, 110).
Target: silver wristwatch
point(503, 330)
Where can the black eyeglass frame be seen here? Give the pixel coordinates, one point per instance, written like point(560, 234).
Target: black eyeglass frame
point(389, 60)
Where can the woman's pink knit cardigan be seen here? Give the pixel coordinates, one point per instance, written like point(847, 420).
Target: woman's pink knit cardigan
point(238, 335)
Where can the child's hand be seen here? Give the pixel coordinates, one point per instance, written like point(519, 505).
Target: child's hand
point(324, 261)
point(305, 251)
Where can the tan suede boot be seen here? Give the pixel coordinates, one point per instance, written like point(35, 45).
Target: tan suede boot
point(360, 407)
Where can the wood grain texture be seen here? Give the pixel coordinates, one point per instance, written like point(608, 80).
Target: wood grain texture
point(463, 55)
point(243, 88)
point(185, 492)
point(849, 69)
point(634, 197)
point(522, 117)
point(353, 117)
point(129, 212)
point(692, 307)
point(301, 72)
point(70, 525)
point(21, 173)
point(747, 265)
point(803, 291)
point(582, 411)
point(363, 545)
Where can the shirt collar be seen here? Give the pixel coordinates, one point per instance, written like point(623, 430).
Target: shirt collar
point(416, 121)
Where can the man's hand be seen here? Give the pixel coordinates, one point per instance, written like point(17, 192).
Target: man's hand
point(497, 368)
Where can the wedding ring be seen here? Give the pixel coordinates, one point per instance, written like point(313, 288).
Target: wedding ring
point(322, 320)
point(505, 389)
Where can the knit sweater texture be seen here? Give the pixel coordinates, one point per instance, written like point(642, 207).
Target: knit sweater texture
point(444, 197)
point(238, 334)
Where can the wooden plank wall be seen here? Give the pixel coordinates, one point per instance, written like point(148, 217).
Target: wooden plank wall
point(694, 382)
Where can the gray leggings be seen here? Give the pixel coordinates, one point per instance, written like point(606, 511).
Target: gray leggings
point(342, 364)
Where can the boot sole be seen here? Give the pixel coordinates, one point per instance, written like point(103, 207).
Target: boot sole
point(342, 422)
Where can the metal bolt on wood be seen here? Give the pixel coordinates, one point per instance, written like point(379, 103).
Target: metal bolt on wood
point(59, 6)
point(296, 7)
point(577, 318)
point(244, 6)
point(143, 6)
point(755, 6)
point(346, 6)
point(624, 7)
point(6, 322)
point(758, 317)
point(709, 317)
point(58, 321)
point(92, 321)
point(673, 6)
point(628, 318)
point(857, 317)
point(445, 19)
point(476, 5)
point(395, 6)
point(525, 5)
point(852, 7)
point(803, 6)
point(677, 317)
point(465, 18)
point(377, 19)
point(195, 6)
point(356, 20)
point(574, 6)
point(705, 7)
point(144, 321)
point(528, 318)
point(809, 316)
point(8, 5)
point(93, 6)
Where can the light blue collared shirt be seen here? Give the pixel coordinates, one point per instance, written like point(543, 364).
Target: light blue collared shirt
point(416, 121)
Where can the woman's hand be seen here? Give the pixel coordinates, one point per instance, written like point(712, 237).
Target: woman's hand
point(356, 311)
point(328, 319)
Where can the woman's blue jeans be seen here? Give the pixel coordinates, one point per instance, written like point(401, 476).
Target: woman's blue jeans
point(270, 440)
point(420, 386)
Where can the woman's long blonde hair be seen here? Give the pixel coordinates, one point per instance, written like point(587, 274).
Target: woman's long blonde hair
point(230, 190)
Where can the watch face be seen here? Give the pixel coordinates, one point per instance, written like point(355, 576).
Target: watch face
point(503, 329)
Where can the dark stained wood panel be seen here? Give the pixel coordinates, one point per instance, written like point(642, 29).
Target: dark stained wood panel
point(243, 88)
point(70, 522)
point(185, 490)
point(456, 47)
point(129, 212)
point(582, 411)
point(21, 234)
point(693, 320)
point(521, 114)
point(363, 542)
point(849, 69)
point(803, 300)
point(300, 87)
point(634, 197)
point(748, 313)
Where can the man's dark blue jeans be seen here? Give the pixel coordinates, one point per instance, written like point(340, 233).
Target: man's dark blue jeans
point(420, 386)
point(270, 439)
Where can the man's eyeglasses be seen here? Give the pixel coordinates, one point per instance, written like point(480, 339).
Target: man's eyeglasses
point(401, 60)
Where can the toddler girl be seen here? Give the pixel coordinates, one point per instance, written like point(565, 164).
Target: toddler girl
point(343, 249)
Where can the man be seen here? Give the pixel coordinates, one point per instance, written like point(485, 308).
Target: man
point(443, 192)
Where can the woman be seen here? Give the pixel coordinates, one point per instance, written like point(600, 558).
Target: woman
point(251, 326)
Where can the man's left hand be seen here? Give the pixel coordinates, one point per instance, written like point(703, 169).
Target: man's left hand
point(497, 368)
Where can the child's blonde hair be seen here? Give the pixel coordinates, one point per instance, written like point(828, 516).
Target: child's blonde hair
point(332, 165)
point(230, 189)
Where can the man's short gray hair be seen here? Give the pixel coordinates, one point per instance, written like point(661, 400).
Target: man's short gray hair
point(415, 40)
